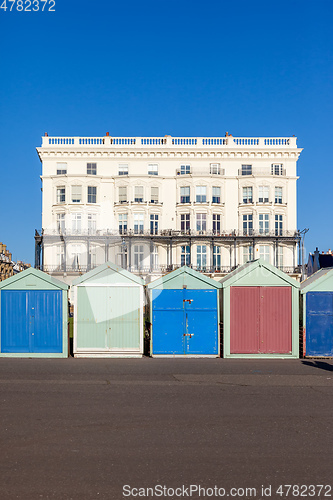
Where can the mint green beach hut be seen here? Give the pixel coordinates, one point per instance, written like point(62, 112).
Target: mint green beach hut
point(108, 313)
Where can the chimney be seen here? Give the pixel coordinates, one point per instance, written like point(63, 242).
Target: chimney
point(46, 134)
point(107, 134)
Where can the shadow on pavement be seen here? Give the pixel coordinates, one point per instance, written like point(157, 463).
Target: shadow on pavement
point(322, 365)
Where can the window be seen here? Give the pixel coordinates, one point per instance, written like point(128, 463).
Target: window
point(138, 223)
point(247, 194)
point(122, 255)
point(155, 257)
point(185, 257)
point(185, 223)
point(76, 194)
point(76, 223)
point(201, 222)
point(123, 194)
point(264, 252)
point(61, 194)
point(278, 225)
point(277, 169)
point(153, 223)
point(216, 194)
point(123, 169)
point(215, 168)
point(60, 257)
point(201, 194)
point(92, 168)
point(201, 257)
point(247, 224)
point(138, 256)
point(153, 169)
point(61, 223)
point(154, 194)
point(263, 194)
point(138, 194)
point(122, 223)
point(246, 170)
point(247, 254)
point(278, 195)
point(61, 168)
point(92, 194)
point(185, 194)
point(185, 169)
point(92, 223)
point(216, 223)
point(76, 256)
point(279, 257)
point(217, 257)
point(93, 256)
point(263, 223)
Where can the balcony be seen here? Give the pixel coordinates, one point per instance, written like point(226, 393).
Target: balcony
point(260, 172)
point(201, 172)
point(223, 233)
point(147, 203)
point(159, 269)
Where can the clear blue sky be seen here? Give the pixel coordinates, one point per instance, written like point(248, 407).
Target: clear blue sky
point(150, 68)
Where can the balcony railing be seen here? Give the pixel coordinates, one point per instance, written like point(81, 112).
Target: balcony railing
point(202, 173)
point(147, 203)
point(261, 172)
point(169, 232)
point(160, 269)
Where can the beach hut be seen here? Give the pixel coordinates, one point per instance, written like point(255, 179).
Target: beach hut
point(108, 313)
point(260, 312)
point(317, 295)
point(184, 315)
point(33, 316)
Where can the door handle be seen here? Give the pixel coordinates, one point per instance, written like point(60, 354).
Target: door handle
point(188, 335)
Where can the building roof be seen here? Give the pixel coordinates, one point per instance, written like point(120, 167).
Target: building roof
point(316, 278)
point(245, 269)
point(31, 271)
point(108, 268)
point(184, 270)
point(325, 260)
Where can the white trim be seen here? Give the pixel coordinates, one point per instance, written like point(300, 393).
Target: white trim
point(185, 356)
point(106, 355)
point(110, 284)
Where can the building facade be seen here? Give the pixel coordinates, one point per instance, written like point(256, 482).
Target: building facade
point(152, 204)
point(7, 266)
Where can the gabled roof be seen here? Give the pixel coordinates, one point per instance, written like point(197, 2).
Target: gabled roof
point(184, 270)
point(31, 271)
point(316, 278)
point(105, 268)
point(245, 269)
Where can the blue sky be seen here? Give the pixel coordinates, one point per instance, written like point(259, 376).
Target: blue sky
point(150, 68)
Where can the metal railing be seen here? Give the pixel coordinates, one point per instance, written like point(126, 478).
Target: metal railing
point(160, 269)
point(252, 233)
point(261, 172)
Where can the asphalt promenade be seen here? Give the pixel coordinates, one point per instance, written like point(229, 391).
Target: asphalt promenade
point(112, 428)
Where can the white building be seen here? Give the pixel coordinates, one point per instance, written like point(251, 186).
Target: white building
point(151, 204)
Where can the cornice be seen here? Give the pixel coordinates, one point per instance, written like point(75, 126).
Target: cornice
point(44, 153)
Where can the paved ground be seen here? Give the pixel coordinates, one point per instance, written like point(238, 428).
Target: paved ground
point(83, 428)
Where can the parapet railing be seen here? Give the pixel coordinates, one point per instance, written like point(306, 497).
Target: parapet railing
point(168, 141)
